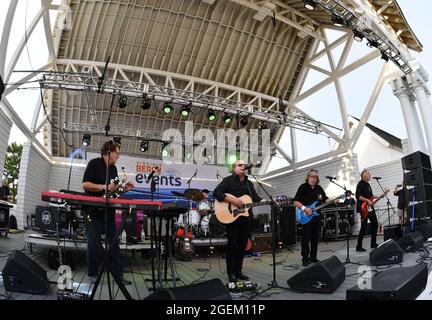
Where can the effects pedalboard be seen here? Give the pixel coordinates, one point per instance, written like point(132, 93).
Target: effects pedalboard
point(70, 295)
point(242, 286)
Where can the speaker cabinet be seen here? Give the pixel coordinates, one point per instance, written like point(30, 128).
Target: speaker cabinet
point(47, 218)
point(287, 225)
point(411, 242)
point(393, 232)
point(262, 242)
point(425, 229)
point(22, 274)
point(389, 252)
point(418, 176)
point(323, 277)
point(394, 284)
point(416, 160)
point(207, 290)
point(421, 192)
point(421, 210)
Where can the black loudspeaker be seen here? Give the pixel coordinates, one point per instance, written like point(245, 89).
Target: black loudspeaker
point(421, 192)
point(2, 87)
point(393, 232)
point(287, 225)
point(416, 160)
point(425, 229)
point(418, 176)
point(389, 252)
point(207, 290)
point(48, 217)
point(323, 277)
point(411, 242)
point(421, 209)
point(22, 274)
point(394, 284)
point(4, 217)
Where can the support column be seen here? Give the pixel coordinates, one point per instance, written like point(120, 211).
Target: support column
point(412, 122)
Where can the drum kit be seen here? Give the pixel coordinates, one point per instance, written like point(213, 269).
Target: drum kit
point(202, 221)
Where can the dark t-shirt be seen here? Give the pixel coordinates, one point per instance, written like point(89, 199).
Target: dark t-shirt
point(363, 189)
point(4, 193)
point(96, 173)
point(237, 188)
point(403, 198)
point(308, 195)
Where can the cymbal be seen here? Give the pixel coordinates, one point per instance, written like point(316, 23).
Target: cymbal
point(194, 194)
point(178, 194)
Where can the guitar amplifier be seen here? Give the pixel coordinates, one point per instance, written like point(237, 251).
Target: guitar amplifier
point(262, 242)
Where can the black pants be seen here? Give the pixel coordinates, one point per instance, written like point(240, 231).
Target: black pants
point(310, 233)
point(237, 234)
point(374, 224)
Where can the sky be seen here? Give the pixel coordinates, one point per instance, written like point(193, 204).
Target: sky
point(323, 106)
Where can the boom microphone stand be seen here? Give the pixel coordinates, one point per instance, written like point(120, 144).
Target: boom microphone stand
point(389, 205)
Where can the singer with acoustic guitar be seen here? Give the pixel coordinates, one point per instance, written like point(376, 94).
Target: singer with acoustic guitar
point(232, 190)
point(365, 206)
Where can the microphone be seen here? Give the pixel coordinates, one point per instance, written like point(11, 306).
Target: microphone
point(331, 178)
point(150, 176)
point(249, 166)
point(377, 178)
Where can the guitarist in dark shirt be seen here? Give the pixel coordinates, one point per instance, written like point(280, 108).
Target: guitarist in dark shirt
point(364, 194)
point(236, 185)
point(308, 193)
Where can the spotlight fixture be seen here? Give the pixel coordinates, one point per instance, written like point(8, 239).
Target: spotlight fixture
point(358, 36)
point(227, 118)
point(262, 125)
point(243, 121)
point(337, 20)
point(186, 109)
point(117, 139)
point(86, 140)
point(310, 4)
point(123, 102)
point(384, 56)
point(372, 43)
point(164, 150)
point(168, 108)
point(211, 116)
point(144, 145)
point(146, 102)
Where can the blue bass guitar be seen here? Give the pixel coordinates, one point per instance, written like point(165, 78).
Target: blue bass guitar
point(303, 218)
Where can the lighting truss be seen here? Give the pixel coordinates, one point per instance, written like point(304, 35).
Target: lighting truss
point(84, 82)
point(354, 19)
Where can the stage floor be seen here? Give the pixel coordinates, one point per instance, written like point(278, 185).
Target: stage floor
point(202, 267)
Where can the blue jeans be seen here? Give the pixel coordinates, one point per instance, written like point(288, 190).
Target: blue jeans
point(93, 251)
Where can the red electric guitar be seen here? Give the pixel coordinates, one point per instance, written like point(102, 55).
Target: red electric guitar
point(366, 208)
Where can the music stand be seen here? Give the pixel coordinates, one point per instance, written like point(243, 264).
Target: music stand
point(347, 193)
point(274, 208)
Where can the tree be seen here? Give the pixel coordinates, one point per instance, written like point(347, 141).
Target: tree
point(12, 168)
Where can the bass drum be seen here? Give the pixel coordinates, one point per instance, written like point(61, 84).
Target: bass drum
point(216, 228)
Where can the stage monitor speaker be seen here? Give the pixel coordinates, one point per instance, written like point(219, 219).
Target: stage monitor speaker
point(421, 210)
point(416, 160)
point(425, 229)
point(422, 193)
point(394, 284)
point(22, 274)
point(323, 277)
point(48, 217)
point(389, 252)
point(207, 290)
point(393, 232)
point(419, 176)
point(411, 242)
point(287, 225)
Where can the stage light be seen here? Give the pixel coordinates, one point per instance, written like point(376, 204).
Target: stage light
point(167, 108)
point(372, 43)
point(384, 56)
point(227, 118)
point(144, 145)
point(243, 121)
point(164, 150)
point(146, 103)
point(310, 4)
point(211, 116)
point(262, 125)
point(337, 20)
point(123, 102)
point(186, 109)
point(86, 140)
point(117, 139)
point(358, 36)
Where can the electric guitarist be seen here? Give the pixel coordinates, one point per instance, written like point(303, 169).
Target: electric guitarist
point(364, 194)
point(230, 189)
point(307, 194)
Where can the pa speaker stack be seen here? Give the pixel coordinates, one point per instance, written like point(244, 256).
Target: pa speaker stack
point(419, 177)
point(323, 277)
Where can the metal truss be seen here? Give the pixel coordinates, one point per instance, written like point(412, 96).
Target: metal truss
point(366, 25)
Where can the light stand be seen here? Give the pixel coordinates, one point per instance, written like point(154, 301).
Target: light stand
point(389, 205)
point(347, 193)
point(274, 209)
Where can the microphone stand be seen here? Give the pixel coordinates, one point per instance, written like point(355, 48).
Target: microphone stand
point(274, 209)
point(347, 193)
point(389, 205)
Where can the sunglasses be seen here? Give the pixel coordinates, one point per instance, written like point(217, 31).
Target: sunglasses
point(241, 165)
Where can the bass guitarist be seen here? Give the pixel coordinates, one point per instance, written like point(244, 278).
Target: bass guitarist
point(236, 185)
point(308, 193)
point(364, 194)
